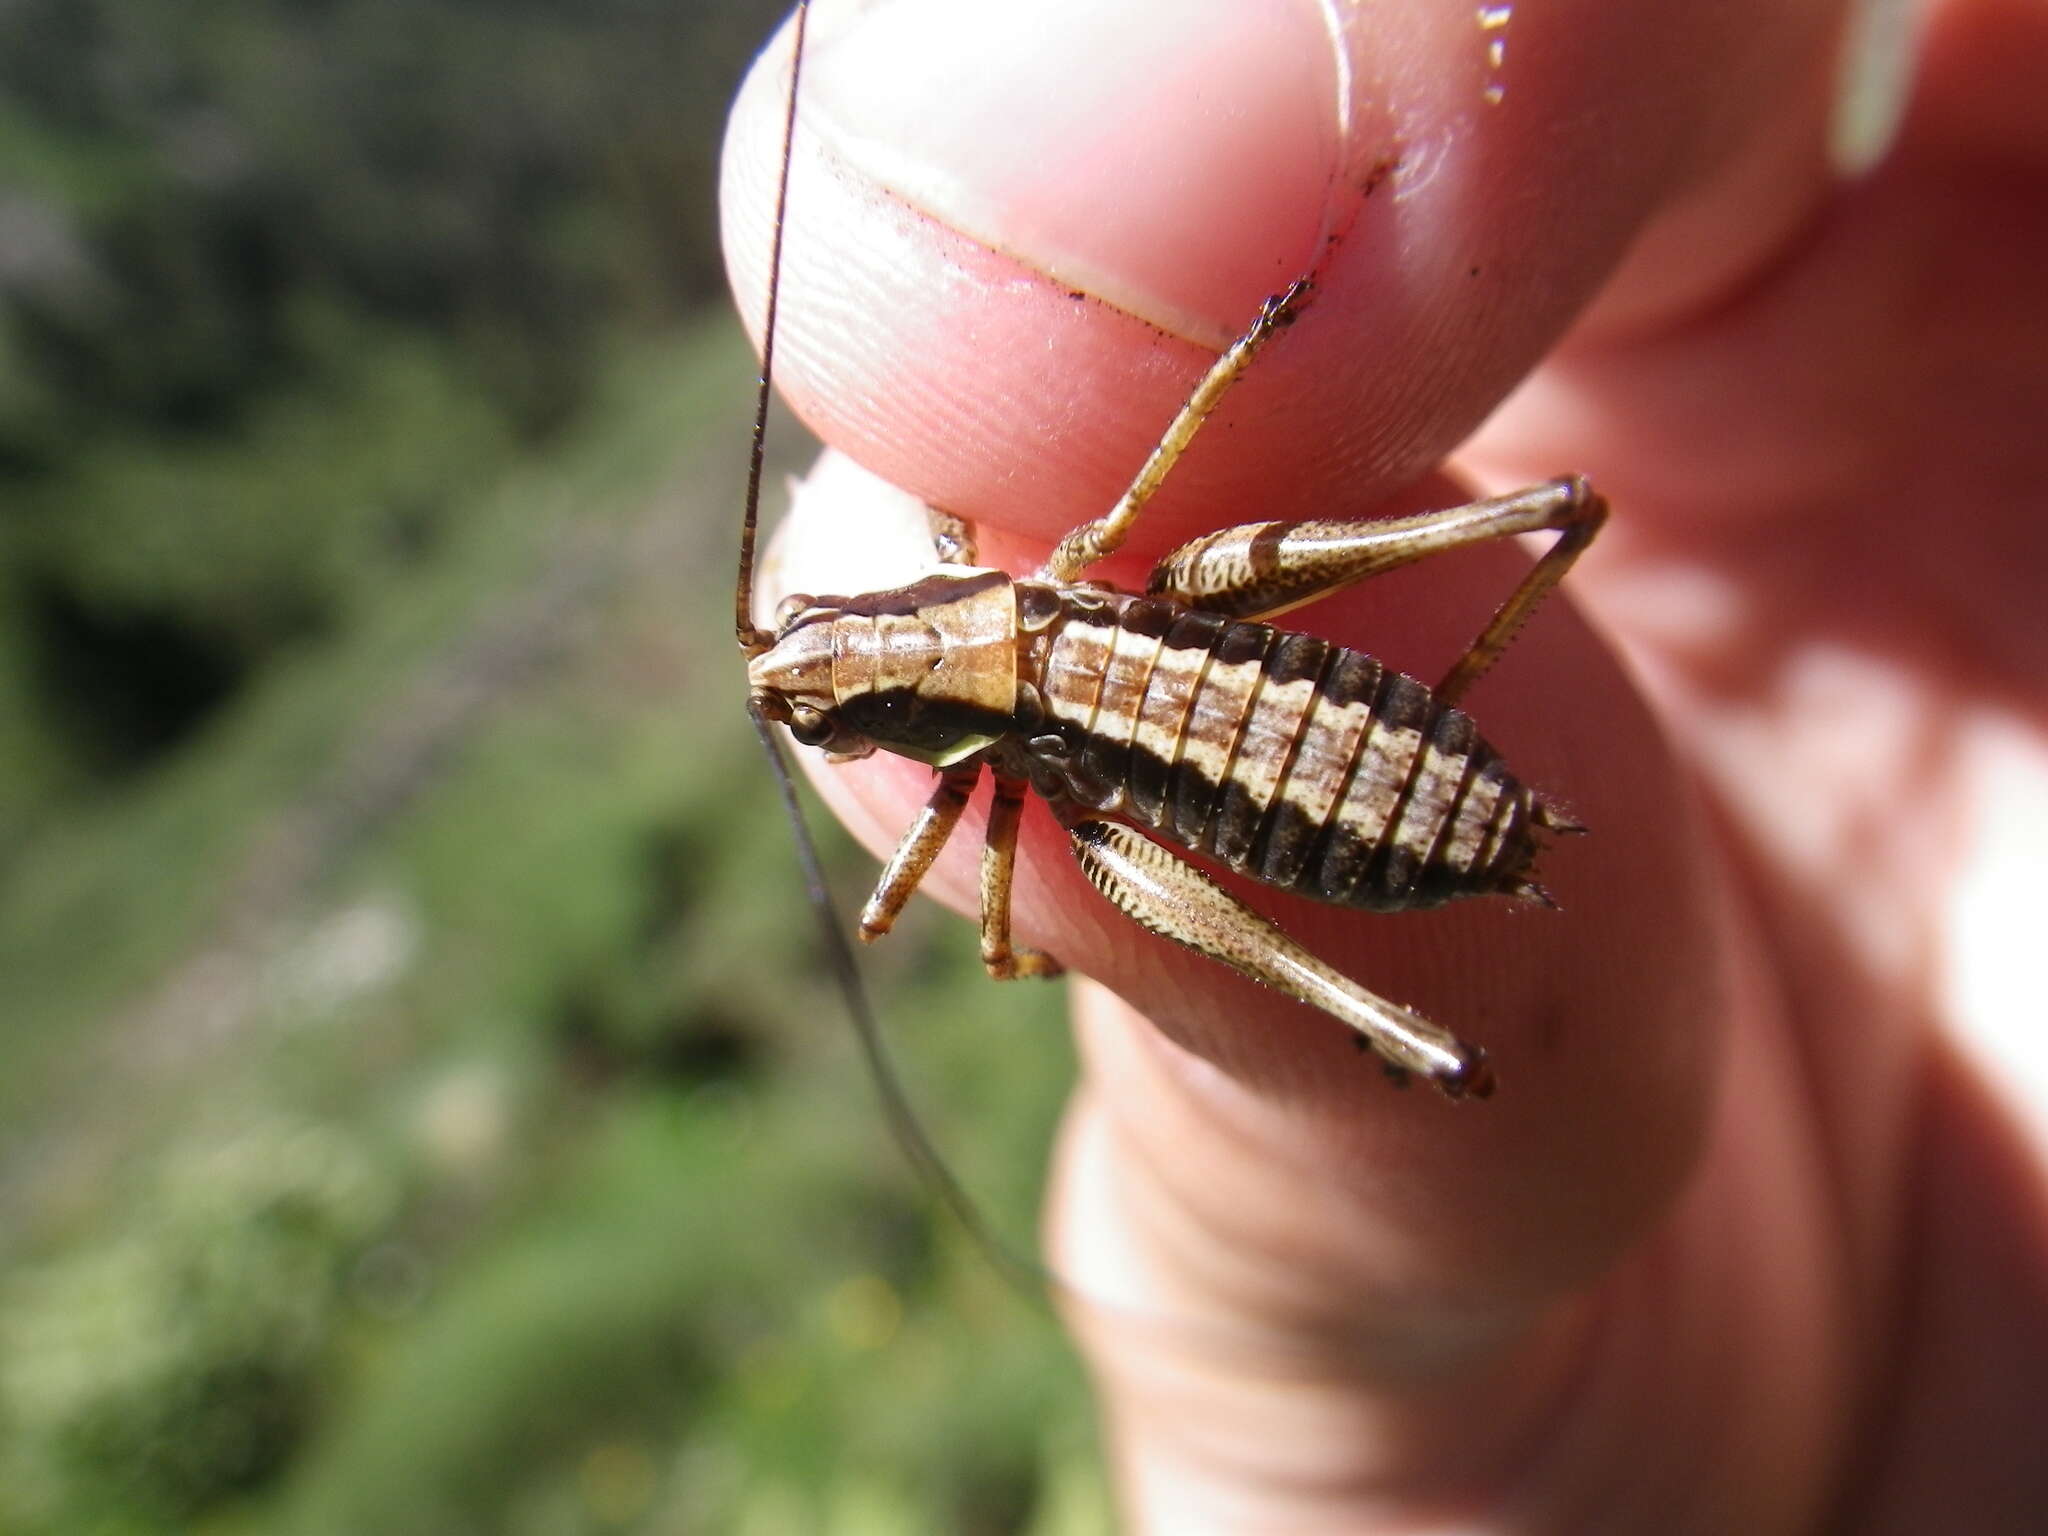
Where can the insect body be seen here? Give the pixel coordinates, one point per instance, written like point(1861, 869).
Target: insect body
point(1181, 718)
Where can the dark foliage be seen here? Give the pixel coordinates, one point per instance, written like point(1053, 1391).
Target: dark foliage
point(217, 215)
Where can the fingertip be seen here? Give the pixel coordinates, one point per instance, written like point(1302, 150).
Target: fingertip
point(1018, 234)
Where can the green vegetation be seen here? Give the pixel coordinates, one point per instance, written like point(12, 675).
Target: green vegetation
point(426, 1109)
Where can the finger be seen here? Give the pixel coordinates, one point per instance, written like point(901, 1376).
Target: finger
point(973, 376)
point(1828, 575)
point(1018, 234)
point(1296, 1279)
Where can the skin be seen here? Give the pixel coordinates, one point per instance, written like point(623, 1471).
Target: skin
point(1755, 1234)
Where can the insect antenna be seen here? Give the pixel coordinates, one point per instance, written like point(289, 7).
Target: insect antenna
point(1200, 1338)
point(752, 639)
point(1210, 1339)
point(902, 1119)
point(904, 1125)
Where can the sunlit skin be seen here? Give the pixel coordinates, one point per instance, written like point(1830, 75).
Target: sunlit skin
point(1753, 1236)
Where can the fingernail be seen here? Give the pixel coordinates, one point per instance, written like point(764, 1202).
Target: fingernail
point(1880, 44)
point(1179, 163)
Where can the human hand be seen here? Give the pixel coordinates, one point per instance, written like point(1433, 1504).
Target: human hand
point(1746, 1241)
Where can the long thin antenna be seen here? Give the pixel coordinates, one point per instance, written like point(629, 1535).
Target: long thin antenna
point(896, 1107)
point(1019, 1269)
point(1025, 1273)
point(752, 639)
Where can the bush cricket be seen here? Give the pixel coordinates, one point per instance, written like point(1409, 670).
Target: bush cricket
point(1180, 718)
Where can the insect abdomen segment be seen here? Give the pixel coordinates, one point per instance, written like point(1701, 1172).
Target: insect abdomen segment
point(1306, 765)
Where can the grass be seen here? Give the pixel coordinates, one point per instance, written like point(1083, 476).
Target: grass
point(486, 896)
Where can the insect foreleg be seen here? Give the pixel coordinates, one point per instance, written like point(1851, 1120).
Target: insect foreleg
point(1161, 892)
point(1105, 535)
point(1257, 570)
point(1005, 962)
point(913, 857)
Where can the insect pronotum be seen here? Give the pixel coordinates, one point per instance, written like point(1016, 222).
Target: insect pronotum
point(1179, 719)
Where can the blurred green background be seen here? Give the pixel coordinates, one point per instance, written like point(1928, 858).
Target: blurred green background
point(423, 1105)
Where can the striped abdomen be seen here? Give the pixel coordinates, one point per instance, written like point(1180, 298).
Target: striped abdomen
point(1304, 764)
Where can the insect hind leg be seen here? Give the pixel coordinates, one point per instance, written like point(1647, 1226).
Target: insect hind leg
point(1578, 513)
point(1172, 898)
point(1259, 570)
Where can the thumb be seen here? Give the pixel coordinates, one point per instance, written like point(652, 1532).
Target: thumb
point(1016, 239)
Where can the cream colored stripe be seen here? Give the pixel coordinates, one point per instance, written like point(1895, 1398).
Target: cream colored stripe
point(1324, 757)
point(1384, 761)
point(1469, 831)
point(1163, 714)
point(1269, 737)
point(1217, 716)
point(1128, 668)
point(1074, 669)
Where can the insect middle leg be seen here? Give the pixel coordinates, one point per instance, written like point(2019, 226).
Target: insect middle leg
point(920, 845)
point(1004, 960)
point(1257, 570)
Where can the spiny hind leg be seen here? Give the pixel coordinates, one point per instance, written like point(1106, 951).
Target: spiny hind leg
point(1257, 570)
point(913, 857)
point(1578, 513)
point(1004, 960)
point(1105, 535)
point(1172, 898)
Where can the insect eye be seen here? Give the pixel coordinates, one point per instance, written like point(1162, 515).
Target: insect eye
point(811, 727)
point(792, 608)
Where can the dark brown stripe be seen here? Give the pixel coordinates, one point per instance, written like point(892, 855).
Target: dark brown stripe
point(1106, 747)
point(1150, 775)
point(1245, 642)
point(1196, 794)
point(1264, 554)
point(1355, 860)
point(1354, 679)
point(901, 717)
point(1290, 833)
point(1297, 659)
point(919, 594)
point(1149, 617)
